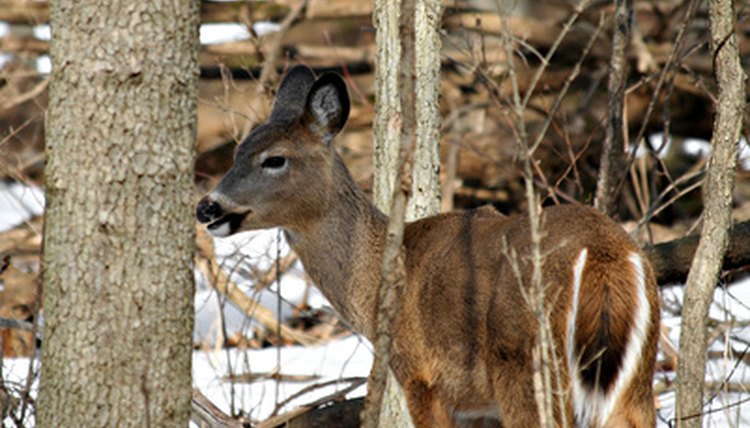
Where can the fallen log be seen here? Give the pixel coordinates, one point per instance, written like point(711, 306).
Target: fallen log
point(671, 260)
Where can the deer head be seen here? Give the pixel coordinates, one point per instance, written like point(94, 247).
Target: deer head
point(283, 170)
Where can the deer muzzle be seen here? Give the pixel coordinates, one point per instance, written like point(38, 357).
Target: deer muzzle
point(208, 210)
point(218, 222)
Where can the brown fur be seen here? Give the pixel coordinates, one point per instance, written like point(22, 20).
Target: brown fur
point(464, 335)
point(18, 299)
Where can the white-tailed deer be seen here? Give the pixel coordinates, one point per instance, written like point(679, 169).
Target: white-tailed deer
point(464, 336)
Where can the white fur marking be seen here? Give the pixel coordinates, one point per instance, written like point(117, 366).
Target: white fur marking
point(636, 341)
point(579, 394)
point(590, 406)
point(221, 231)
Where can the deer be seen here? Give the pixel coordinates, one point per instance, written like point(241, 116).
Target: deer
point(464, 336)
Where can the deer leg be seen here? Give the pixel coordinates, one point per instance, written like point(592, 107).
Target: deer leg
point(514, 393)
point(425, 406)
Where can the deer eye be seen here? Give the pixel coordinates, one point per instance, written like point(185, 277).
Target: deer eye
point(274, 162)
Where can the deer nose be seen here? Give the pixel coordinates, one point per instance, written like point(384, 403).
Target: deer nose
point(208, 210)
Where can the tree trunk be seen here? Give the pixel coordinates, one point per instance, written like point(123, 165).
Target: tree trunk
point(386, 125)
point(387, 133)
point(425, 190)
point(612, 167)
point(119, 232)
point(717, 194)
point(407, 114)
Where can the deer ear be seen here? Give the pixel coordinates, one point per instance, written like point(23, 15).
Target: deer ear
point(327, 107)
point(289, 105)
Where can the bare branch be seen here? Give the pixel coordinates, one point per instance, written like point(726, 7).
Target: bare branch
point(611, 167)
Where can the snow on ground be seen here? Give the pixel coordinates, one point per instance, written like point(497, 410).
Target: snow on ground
point(240, 255)
point(338, 359)
point(18, 203)
point(731, 308)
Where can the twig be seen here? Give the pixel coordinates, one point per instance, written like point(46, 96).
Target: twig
point(19, 324)
point(26, 398)
point(355, 382)
point(224, 285)
point(546, 61)
point(205, 414)
point(662, 77)
point(275, 421)
point(274, 48)
point(571, 77)
point(541, 352)
point(22, 98)
point(274, 375)
point(393, 129)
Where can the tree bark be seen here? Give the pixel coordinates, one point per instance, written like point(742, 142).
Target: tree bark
point(707, 262)
point(407, 114)
point(386, 127)
point(420, 126)
point(425, 190)
point(387, 133)
point(612, 166)
point(119, 232)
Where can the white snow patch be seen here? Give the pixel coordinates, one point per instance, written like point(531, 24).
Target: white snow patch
point(18, 203)
point(44, 64)
point(222, 32)
point(42, 32)
point(348, 357)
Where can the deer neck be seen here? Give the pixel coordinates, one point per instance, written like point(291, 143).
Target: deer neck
point(342, 252)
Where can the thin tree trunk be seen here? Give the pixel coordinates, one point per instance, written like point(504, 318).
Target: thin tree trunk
point(119, 228)
point(425, 190)
point(717, 194)
point(386, 404)
point(408, 83)
point(386, 125)
point(612, 165)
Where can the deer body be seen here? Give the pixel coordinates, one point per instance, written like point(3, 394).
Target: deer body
point(464, 335)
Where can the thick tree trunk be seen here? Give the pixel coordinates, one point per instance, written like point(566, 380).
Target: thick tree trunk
point(119, 233)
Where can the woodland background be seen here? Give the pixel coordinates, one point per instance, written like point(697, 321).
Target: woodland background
point(669, 98)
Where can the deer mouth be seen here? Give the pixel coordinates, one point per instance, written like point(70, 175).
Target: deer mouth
point(227, 225)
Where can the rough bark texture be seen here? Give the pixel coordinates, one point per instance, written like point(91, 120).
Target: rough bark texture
point(425, 190)
point(386, 126)
point(387, 132)
point(119, 232)
point(407, 73)
point(717, 194)
point(612, 167)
